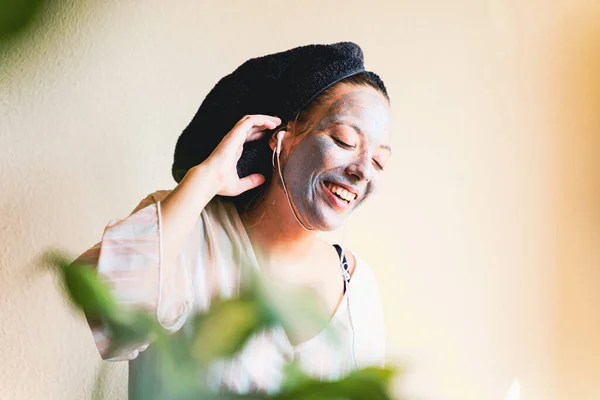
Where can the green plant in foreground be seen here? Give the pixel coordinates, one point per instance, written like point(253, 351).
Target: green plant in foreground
point(16, 15)
point(217, 334)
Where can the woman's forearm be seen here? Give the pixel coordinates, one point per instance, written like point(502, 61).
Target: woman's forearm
point(182, 207)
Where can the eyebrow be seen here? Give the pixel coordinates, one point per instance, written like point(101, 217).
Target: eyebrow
point(337, 121)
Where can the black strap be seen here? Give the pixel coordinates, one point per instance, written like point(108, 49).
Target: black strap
point(338, 248)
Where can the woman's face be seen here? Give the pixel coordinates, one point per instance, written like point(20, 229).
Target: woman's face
point(336, 163)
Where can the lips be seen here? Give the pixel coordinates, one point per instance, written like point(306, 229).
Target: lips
point(340, 196)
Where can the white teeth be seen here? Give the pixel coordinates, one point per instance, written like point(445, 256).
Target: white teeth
point(341, 192)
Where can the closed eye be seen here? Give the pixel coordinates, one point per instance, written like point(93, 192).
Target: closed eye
point(377, 165)
point(343, 144)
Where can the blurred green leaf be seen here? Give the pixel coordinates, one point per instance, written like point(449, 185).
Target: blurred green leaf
point(129, 328)
point(16, 15)
point(296, 311)
point(176, 366)
point(83, 287)
point(89, 293)
point(227, 326)
point(294, 377)
point(362, 384)
point(375, 374)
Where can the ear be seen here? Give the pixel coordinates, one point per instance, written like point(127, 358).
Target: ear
point(273, 141)
point(287, 128)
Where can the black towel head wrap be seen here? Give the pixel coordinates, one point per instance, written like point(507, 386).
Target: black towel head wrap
point(279, 84)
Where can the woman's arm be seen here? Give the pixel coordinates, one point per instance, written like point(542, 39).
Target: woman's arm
point(182, 207)
point(146, 258)
point(216, 175)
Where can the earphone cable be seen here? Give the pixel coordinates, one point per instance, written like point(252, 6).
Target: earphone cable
point(346, 275)
point(285, 188)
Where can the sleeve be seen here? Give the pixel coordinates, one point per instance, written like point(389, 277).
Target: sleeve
point(378, 322)
point(371, 329)
point(129, 260)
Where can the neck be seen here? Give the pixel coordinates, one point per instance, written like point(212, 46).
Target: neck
point(274, 231)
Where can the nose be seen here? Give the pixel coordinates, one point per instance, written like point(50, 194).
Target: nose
point(361, 169)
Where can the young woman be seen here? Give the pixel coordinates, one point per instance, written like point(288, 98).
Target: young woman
point(253, 192)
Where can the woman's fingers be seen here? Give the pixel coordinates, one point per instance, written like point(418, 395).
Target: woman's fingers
point(257, 133)
point(258, 119)
point(252, 127)
point(250, 182)
point(229, 151)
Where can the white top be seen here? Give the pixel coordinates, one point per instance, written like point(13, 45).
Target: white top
point(210, 265)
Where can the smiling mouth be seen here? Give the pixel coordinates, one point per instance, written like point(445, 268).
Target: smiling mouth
point(341, 193)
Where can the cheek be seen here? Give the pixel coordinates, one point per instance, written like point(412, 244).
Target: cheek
point(314, 154)
point(329, 154)
point(373, 186)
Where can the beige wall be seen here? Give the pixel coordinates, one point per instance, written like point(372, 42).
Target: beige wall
point(485, 240)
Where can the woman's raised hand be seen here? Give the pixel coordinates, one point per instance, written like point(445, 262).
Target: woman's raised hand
point(223, 160)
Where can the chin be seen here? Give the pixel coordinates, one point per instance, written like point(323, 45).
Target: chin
point(322, 216)
point(328, 224)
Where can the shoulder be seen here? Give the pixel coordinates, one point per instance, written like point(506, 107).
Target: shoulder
point(364, 283)
point(152, 198)
point(359, 266)
point(216, 206)
point(216, 211)
point(367, 310)
point(159, 195)
point(221, 212)
point(364, 274)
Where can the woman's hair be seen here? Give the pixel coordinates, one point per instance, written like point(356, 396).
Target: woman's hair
point(248, 200)
point(365, 78)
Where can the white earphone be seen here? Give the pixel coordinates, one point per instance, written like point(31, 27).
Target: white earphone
point(280, 136)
